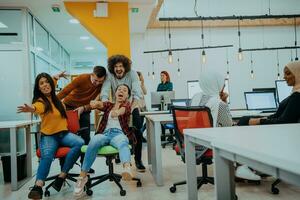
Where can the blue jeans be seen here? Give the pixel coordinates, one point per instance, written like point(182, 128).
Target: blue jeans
point(112, 136)
point(48, 147)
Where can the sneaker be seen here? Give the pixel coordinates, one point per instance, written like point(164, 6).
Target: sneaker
point(91, 171)
point(139, 166)
point(58, 183)
point(126, 174)
point(79, 185)
point(36, 192)
point(245, 173)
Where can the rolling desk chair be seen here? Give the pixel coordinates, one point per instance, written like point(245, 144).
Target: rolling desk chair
point(61, 153)
point(193, 117)
point(110, 153)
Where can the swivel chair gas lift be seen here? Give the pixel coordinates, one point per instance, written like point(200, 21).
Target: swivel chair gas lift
point(110, 153)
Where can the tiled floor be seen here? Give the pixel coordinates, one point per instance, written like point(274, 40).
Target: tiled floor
point(174, 171)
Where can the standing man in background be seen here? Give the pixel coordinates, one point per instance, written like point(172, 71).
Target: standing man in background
point(120, 72)
point(79, 93)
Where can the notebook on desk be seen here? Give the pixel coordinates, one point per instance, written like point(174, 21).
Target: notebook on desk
point(261, 101)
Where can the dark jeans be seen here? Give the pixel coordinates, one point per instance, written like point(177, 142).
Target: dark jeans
point(137, 122)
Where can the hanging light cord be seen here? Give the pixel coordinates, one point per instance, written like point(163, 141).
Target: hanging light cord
point(195, 8)
point(202, 34)
point(239, 33)
point(295, 31)
point(169, 34)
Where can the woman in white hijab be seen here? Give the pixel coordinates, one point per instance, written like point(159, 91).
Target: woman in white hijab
point(289, 109)
point(212, 96)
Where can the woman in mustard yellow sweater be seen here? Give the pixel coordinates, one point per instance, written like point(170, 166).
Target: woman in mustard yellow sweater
point(54, 133)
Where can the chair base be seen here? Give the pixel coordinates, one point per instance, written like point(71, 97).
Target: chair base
point(111, 176)
point(200, 182)
point(69, 176)
point(274, 189)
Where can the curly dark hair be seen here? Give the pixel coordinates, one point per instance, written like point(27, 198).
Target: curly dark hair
point(113, 60)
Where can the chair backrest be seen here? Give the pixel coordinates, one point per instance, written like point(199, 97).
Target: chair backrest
point(73, 121)
point(190, 117)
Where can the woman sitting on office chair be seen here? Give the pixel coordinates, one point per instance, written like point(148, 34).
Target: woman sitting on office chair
point(54, 132)
point(212, 96)
point(166, 84)
point(113, 130)
point(289, 109)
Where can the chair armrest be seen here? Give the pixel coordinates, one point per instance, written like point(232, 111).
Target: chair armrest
point(81, 130)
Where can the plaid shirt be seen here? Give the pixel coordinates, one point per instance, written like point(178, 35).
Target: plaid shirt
point(123, 119)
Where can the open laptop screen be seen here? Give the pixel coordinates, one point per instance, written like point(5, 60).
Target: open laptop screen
point(260, 100)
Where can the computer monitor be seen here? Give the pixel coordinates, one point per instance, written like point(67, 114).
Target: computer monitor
point(260, 101)
point(193, 87)
point(282, 89)
point(156, 98)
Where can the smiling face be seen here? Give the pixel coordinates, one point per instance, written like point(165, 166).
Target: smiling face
point(96, 80)
point(44, 86)
point(289, 77)
point(122, 93)
point(119, 70)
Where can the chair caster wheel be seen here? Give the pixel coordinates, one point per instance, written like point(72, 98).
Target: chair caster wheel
point(173, 189)
point(89, 192)
point(47, 193)
point(257, 182)
point(139, 184)
point(236, 197)
point(163, 146)
point(275, 190)
point(123, 192)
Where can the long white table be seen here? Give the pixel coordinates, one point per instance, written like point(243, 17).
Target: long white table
point(13, 126)
point(154, 119)
point(153, 124)
point(272, 149)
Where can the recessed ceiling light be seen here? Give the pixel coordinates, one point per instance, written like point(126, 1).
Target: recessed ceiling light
point(74, 21)
point(84, 37)
point(2, 25)
point(89, 48)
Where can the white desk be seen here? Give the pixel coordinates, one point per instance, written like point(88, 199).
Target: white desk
point(240, 113)
point(13, 126)
point(153, 124)
point(272, 149)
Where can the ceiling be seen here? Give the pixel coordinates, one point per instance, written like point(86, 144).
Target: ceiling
point(69, 34)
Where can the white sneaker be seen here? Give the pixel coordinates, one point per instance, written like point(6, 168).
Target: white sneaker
point(126, 174)
point(79, 185)
point(245, 173)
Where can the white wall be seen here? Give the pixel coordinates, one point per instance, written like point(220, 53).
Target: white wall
point(254, 37)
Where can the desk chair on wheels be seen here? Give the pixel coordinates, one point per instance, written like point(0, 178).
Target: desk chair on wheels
point(61, 153)
point(110, 153)
point(193, 117)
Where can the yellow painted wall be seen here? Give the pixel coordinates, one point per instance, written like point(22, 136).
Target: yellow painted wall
point(112, 31)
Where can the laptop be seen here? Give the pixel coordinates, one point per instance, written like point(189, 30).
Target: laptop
point(261, 101)
point(179, 102)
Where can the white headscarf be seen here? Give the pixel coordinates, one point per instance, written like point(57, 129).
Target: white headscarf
point(211, 83)
point(294, 67)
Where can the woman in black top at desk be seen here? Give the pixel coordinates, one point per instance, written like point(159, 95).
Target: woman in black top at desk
point(289, 109)
point(166, 84)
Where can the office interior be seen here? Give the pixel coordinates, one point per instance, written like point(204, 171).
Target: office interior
point(74, 36)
